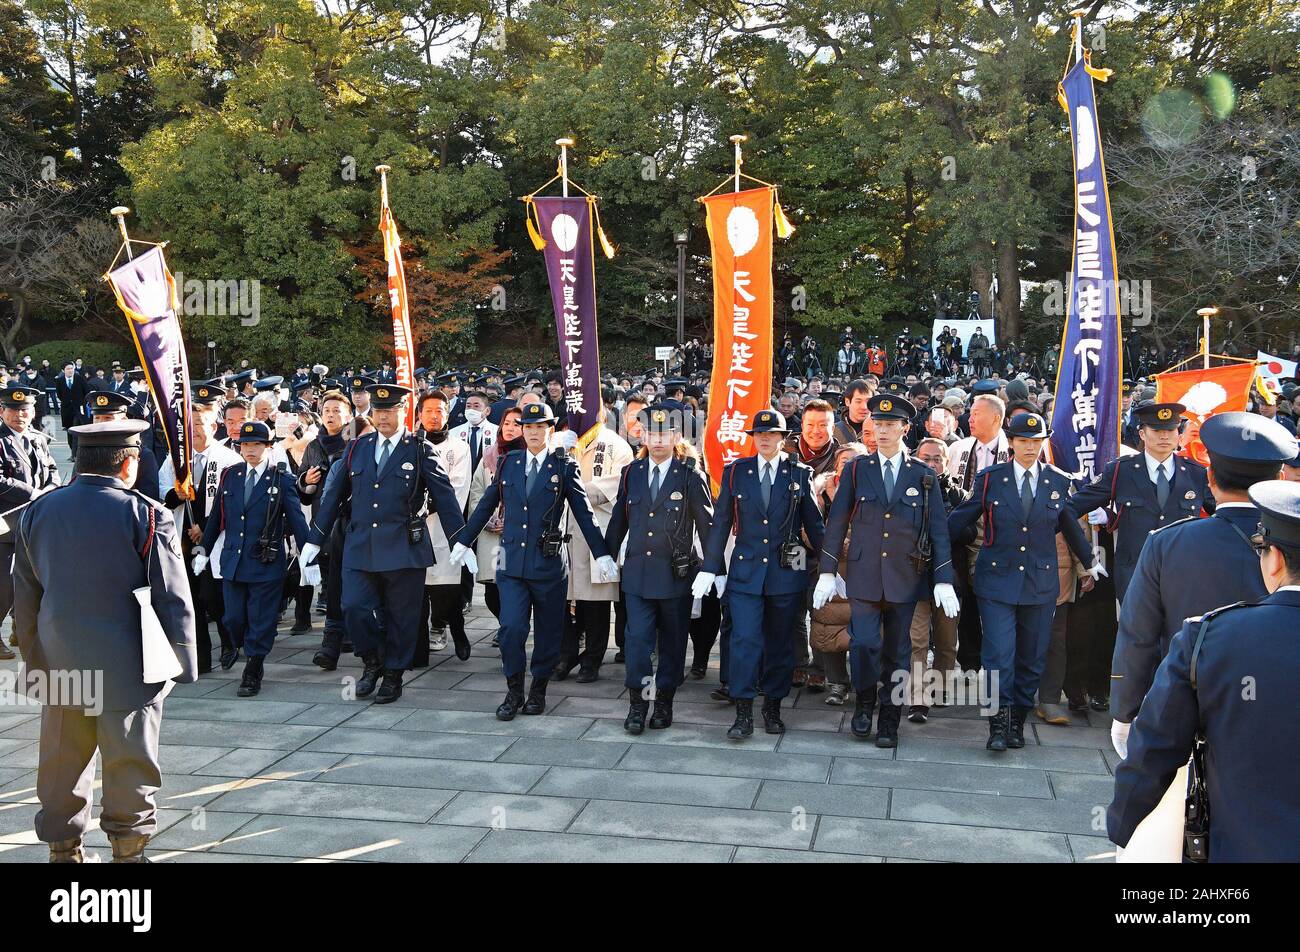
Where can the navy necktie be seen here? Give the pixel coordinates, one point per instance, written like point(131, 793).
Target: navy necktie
point(765, 484)
point(248, 486)
point(654, 484)
point(384, 452)
point(473, 448)
point(1162, 487)
point(533, 469)
point(889, 480)
point(1027, 493)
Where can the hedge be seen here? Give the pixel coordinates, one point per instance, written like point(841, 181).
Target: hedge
point(92, 353)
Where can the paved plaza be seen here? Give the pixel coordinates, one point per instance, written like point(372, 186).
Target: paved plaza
point(300, 774)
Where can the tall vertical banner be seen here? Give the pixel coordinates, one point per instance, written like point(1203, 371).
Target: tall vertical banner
point(1086, 417)
point(1205, 392)
point(740, 236)
point(146, 293)
point(565, 226)
point(403, 339)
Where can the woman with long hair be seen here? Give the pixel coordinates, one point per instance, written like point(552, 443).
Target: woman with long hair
point(510, 436)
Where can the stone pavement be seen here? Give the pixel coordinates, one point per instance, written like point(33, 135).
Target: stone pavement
point(301, 774)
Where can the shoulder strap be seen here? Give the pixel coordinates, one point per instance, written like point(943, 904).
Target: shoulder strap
point(1235, 528)
point(1200, 636)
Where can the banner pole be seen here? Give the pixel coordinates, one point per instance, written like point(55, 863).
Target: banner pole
point(1206, 313)
point(1078, 33)
point(120, 212)
point(383, 171)
point(564, 144)
point(736, 140)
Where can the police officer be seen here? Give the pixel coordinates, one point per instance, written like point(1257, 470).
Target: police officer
point(77, 614)
point(1194, 565)
point(1249, 768)
point(885, 503)
point(663, 503)
point(254, 502)
point(1152, 489)
point(1024, 505)
point(107, 405)
point(534, 486)
point(26, 470)
point(767, 502)
point(389, 479)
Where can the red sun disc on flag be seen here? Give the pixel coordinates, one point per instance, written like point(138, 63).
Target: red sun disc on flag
point(1274, 367)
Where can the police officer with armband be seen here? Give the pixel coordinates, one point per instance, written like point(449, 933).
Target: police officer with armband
point(767, 502)
point(890, 508)
point(256, 508)
point(1147, 491)
point(1023, 503)
point(663, 503)
point(535, 484)
point(388, 479)
point(74, 614)
point(1225, 696)
point(1194, 565)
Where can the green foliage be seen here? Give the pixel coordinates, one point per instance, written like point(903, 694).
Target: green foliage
point(93, 353)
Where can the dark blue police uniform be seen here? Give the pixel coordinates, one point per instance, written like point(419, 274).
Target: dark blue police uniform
point(254, 520)
point(1016, 580)
point(532, 583)
point(1125, 485)
point(1251, 775)
point(383, 564)
point(1195, 565)
point(658, 601)
point(763, 596)
point(880, 577)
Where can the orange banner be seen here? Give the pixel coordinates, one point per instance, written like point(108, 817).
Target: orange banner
point(740, 234)
point(403, 339)
point(1205, 393)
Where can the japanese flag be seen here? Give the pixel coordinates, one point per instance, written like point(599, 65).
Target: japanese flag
point(1274, 368)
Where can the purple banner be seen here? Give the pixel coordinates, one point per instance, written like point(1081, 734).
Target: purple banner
point(1086, 417)
point(570, 267)
point(146, 293)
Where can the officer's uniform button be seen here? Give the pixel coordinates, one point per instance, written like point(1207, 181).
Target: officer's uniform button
point(741, 557)
point(995, 563)
point(764, 541)
point(525, 525)
point(649, 533)
point(765, 560)
point(1024, 528)
point(525, 508)
point(374, 505)
point(764, 521)
point(1162, 518)
point(886, 535)
point(652, 515)
point(886, 515)
point(376, 485)
point(1022, 568)
point(884, 554)
point(374, 525)
point(1022, 548)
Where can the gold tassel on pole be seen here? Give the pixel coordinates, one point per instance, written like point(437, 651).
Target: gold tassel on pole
point(783, 227)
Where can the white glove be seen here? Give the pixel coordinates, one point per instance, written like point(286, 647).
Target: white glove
point(310, 574)
point(1098, 517)
point(608, 568)
point(841, 589)
point(199, 563)
point(703, 581)
point(824, 590)
point(308, 554)
point(1119, 738)
point(471, 561)
point(945, 596)
point(459, 551)
point(720, 585)
point(568, 439)
point(1098, 571)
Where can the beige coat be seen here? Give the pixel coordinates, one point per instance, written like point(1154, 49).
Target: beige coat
point(601, 466)
point(487, 543)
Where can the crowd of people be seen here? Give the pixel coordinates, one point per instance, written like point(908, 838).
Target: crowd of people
point(898, 541)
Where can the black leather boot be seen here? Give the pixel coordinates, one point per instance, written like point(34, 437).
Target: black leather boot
point(564, 667)
point(663, 715)
point(128, 849)
point(391, 689)
point(863, 709)
point(67, 851)
point(887, 726)
point(536, 702)
point(252, 680)
point(1016, 735)
point(229, 655)
point(327, 655)
point(744, 725)
point(369, 675)
point(514, 698)
point(772, 722)
point(637, 708)
point(998, 724)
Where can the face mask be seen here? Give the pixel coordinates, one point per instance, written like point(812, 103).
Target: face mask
point(473, 417)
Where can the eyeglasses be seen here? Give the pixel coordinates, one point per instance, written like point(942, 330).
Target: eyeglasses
point(1259, 543)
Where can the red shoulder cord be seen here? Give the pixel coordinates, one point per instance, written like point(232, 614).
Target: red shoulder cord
point(1112, 524)
point(735, 506)
point(148, 542)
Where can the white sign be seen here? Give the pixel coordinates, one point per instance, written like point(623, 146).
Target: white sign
point(664, 353)
point(965, 330)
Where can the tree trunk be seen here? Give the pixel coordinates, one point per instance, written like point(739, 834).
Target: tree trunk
point(1008, 291)
point(981, 276)
point(9, 336)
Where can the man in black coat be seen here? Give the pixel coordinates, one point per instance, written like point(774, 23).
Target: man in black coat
point(70, 387)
